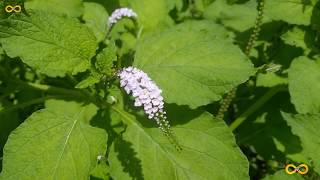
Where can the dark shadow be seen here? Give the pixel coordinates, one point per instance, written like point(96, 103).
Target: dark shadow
point(265, 137)
point(267, 127)
point(127, 156)
point(316, 16)
point(305, 4)
point(315, 23)
point(104, 121)
point(177, 114)
point(130, 163)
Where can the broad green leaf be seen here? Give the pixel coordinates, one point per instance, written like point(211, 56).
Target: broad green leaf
point(151, 14)
point(52, 44)
point(282, 175)
point(72, 8)
point(96, 18)
point(209, 150)
point(236, 16)
point(106, 58)
point(194, 63)
point(304, 86)
point(270, 80)
point(291, 11)
point(306, 126)
point(54, 143)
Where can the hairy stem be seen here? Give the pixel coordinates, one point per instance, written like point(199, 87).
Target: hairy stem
point(253, 38)
point(254, 107)
point(55, 90)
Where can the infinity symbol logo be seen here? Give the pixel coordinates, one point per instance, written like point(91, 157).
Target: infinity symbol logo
point(301, 169)
point(10, 8)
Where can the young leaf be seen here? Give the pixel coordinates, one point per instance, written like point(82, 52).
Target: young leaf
point(307, 128)
point(106, 58)
point(54, 143)
point(270, 79)
point(90, 80)
point(194, 63)
point(52, 44)
point(72, 8)
point(301, 37)
point(298, 11)
point(96, 18)
point(304, 87)
point(209, 150)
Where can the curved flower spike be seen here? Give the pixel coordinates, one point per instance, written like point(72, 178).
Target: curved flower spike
point(120, 13)
point(148, 95)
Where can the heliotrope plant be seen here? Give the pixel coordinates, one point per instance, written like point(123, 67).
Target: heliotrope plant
point(159, 89)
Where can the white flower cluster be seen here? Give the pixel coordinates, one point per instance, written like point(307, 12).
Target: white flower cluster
point(148, 95)
point(143, 89)
point(119, 14)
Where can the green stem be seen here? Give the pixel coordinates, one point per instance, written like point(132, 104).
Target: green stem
point(55, 90)
point(260, 102)
point(253, 38)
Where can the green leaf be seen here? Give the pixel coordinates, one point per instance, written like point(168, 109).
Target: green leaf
point(54, 143)
point(306, 126)
point(106, 58)
point(90, 80)
point(270, 80)
point(282, 175)
point(291, 11)
point(52, 44)
point(239, 17)
point(172, 4)
point(72, 8)
point(101, 172)
point(304, 87)
point(152, 14)
point(299, 37)
point(194, 63)
point(295, 37)
point(209, 150)
point(96, 18)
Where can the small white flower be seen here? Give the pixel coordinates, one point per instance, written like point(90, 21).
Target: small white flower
point(120, 13)
point(100, 157)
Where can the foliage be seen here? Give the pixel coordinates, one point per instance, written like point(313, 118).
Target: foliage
point(63, 114)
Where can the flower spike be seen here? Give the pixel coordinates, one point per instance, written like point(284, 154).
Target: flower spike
point(120, 13)
point(148, 95)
